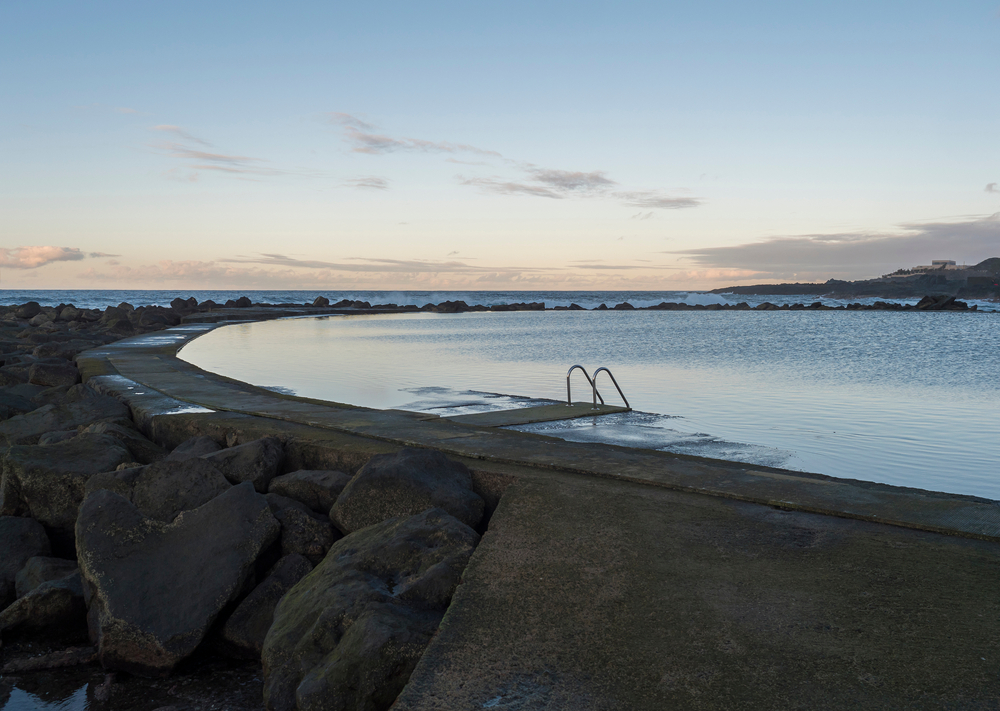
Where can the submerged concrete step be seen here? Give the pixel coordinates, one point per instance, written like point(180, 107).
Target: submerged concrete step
point(539, 413)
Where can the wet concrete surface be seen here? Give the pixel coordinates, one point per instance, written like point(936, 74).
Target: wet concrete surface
point(610, 595)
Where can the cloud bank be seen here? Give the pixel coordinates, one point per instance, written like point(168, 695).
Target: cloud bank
point(856, 255)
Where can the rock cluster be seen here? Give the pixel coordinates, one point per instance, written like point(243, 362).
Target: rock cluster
point(336, 581)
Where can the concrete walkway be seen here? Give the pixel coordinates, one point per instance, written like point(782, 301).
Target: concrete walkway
point(616, 578)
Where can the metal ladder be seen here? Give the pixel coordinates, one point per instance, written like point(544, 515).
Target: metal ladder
point(593, 385)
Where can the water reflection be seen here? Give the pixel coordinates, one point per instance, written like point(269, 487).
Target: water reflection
point(45, 692)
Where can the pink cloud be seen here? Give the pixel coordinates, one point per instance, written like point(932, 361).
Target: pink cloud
point(34, 257)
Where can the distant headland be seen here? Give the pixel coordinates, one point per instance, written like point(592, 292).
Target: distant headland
point(942, 276)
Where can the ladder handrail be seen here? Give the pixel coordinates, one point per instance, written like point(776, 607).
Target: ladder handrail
point(597, 394)
point(569, 397)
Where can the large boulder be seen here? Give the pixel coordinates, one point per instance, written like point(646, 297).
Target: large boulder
point(55, 603)
point(67, 350)
point(349, 634)
point(315, 488)
point(78, 406)
point(164, 489)
point(12, 405)
point(69, 313)
point(12, 375)
point(405, 483)
point(42, 569)
point(53, 374)
point(244, 632)
point(143, 451)
point(20, 540)
point(303, 531)
point(154, 589)
point(258, 462)
point(28, 310)
point(47, 482)
point(195, 447)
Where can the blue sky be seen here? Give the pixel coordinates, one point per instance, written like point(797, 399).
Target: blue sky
point(625, 145)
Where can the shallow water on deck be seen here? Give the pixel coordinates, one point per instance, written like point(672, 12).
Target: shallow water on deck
point(911, 399)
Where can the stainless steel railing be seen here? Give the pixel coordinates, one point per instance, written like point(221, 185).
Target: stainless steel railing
point(569, 396)
point(593, 384)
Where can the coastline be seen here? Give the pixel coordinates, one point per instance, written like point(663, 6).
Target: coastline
point(543, 495)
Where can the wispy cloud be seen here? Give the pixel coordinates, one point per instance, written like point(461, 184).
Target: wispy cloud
point(656, 199)
point(560, 184)
point(359, 264)
point(856, 255)
point(642, 216)
point(509, 187)
point(359, 134)
point(614, 267)
point(350, 121)
point(34, 257)
point(180, 133)
point(98, 255)
point(368, 182)
point(188, 149)
point(991, 188)
point(534, 181)
point(572, 181)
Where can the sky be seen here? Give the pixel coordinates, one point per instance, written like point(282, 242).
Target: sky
point(516, 145)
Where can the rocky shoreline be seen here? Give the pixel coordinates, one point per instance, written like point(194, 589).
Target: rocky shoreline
point(927, 303)
point(125, 561)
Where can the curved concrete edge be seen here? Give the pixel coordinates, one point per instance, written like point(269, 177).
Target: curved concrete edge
point(169, 385)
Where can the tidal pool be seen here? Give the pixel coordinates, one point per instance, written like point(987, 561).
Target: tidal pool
point(911, 399)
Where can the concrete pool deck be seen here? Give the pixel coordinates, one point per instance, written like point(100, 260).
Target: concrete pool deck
point(613, 577)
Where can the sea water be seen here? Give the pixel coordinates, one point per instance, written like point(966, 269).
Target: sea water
point(911, 399)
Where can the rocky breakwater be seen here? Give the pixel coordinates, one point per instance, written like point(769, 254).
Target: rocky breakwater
point(152, 562)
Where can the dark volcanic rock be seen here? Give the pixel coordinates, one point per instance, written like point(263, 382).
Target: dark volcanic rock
point(321, 301)
point(79, 406)
point(245, 630)
point(42, 569)
point(941, 303)
point(154, 589)
point(302, 530)
point(316, 489)
point(258, 462)
point(54, 603)
point(164, 489)
point(194, 447)
point(53, 374)
point(47, 482)
point(12, 405)
point(143, 451)
point(28, 310)
point(403, 484)
point(349, 634)
point(20, 540)
point(10, 377)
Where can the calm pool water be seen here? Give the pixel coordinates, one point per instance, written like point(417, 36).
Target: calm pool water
point(911, 399)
